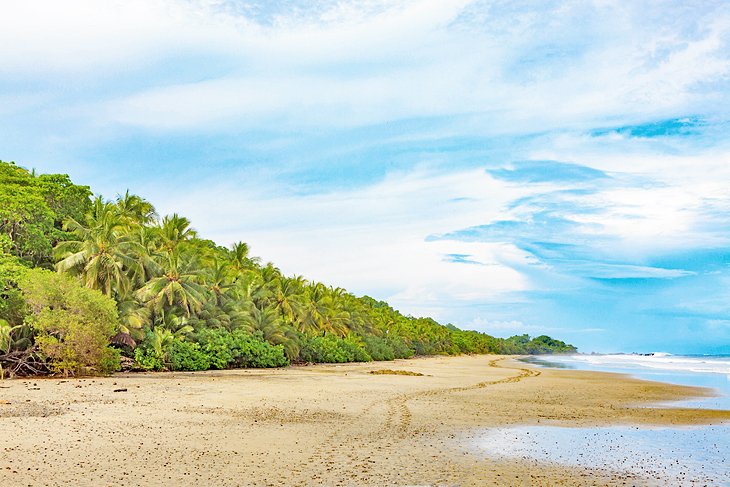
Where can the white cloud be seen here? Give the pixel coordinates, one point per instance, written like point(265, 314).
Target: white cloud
point(350, 65)
point(660, 202)
point(369, 240)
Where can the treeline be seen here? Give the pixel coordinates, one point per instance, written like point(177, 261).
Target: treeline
point(87, 284)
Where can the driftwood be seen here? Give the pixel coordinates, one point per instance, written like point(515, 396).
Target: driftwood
point(22, 363)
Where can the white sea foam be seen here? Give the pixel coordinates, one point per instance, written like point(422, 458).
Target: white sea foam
point(657, 361)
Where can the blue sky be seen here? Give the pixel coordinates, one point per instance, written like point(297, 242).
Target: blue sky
point(512, 167)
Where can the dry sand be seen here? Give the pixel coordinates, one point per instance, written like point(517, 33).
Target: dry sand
point(315, 425)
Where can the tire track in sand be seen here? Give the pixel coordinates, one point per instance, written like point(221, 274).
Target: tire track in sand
point(395, 427)
point(400, 404)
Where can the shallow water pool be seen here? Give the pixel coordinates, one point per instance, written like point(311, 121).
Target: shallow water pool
point(671, 456)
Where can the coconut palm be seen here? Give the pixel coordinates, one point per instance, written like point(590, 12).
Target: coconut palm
point(135, 210)
point(173, 230)
point(102, 254)
point(218, 279)
point(323, 311)
point(133, 318)
point(178, 284)
point(359, 320)
point(268, 323)
point(239, 259)
point(288, 298)
point(145, 242)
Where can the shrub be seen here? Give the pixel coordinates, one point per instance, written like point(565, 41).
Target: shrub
point(72, 323)
point(146, 359)
point(330, 349)
point(400, 349)
point(187, 356)
point(218, 346)
point(322, 349)
point(12, 304)
point(238, 349)
point(110, 361)
point(378, 348)
point(355, 350)
point(254, 351)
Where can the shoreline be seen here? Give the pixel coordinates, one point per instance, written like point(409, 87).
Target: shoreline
point(318, 425)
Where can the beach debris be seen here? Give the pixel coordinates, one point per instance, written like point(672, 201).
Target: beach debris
point(124, 389)
point(3, 401)
point(395, 372)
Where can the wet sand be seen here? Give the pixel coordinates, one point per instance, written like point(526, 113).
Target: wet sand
point(316, 425)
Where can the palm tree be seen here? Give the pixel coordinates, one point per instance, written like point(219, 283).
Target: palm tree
point(267, 322)
point(161, 338)
point(174, 230)
point(288, 298)
point(323, 311)
point(144, 239)
point(239, 259)
point(177, 285)
point(229, 315)
point(133, 318)
point(135, 210)
point(102, 254)
point(6, 336)
point(359, 321)
point(218, 279)
point(336, 315)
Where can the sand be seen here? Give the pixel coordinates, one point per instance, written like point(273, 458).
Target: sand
point(316, 425)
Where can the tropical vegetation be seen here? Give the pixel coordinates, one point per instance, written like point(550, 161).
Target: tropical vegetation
point(87, 284)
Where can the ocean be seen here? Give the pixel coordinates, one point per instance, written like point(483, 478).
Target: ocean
point(697, 455)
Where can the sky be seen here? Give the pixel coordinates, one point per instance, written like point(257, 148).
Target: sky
point(552, 167)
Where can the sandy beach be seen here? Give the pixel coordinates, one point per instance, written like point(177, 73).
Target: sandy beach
point(316, 425)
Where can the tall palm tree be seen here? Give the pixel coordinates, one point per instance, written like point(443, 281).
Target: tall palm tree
point(324, 312)
point(239, 259)
point(173, 230)
point(135, 210)
point(230, 315)
point(288, 298)
point(178, 285)
point(102, 254)
point(336, 316)
point(359, 321)
point(144, 239)
point(218, 279)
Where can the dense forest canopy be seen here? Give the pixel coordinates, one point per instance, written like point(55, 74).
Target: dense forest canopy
point(88, 283)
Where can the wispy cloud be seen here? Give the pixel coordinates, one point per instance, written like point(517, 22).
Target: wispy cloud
point(546, 171)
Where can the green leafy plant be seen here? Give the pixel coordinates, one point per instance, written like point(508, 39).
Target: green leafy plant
point(72, 323)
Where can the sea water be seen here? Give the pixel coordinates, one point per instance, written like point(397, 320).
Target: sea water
point(712, 371)
point(697, 455)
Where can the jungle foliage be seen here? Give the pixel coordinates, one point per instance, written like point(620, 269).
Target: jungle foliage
point(130, 282)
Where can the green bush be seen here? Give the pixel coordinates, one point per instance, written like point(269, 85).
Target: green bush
point(355, 350)
point(238, 349)
point(110, 361)
point(321, 350)
point(72, 323)
point(330, 349)
point(12, 304)
point(187, 356)
point(378, 348)
point(399, 347)
point(147, 359)
point(218, 346)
